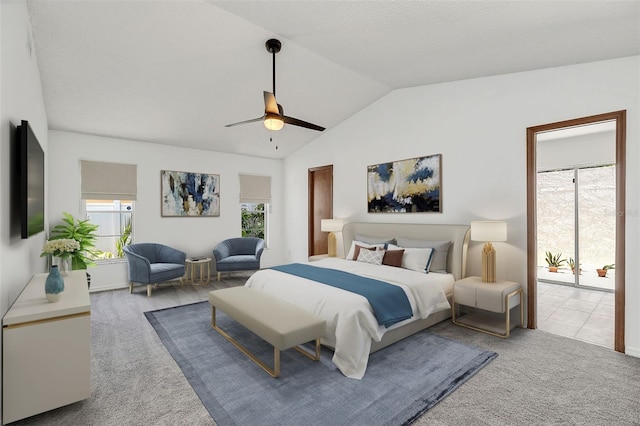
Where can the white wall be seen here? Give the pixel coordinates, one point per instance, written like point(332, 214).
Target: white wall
point(581, 151)
point(479, 127)
point(194, 235)
point(20, 99)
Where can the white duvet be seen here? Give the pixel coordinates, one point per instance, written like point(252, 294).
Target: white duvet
point(350, 323)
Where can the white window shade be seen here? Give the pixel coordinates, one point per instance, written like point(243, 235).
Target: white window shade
point(108, 181)
point(255, 189)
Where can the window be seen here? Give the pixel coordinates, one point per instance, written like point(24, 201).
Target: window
point(108, 191)
point(115, 225)
point(255, 196)
point(255, 220)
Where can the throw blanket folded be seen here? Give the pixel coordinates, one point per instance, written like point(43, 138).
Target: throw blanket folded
point(389, 302)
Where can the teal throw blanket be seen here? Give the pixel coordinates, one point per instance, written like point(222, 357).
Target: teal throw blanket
point(389, 302)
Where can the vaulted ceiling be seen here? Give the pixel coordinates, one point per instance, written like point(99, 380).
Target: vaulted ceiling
point(176, 71)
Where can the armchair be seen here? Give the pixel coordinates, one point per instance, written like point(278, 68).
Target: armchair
point(152, 263)
point(238, 254)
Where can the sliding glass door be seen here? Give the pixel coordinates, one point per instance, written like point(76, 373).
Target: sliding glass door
point(576, 226)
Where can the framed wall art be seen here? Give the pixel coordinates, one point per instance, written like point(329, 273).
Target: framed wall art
point(190, 194)
point(406, 186)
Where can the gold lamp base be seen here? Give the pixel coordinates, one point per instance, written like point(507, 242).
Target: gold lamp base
point(331, 240)
point(488, 263)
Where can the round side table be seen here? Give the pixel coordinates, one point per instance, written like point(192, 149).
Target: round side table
point(191, 264)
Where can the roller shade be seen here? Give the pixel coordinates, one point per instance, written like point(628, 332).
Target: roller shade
point(108, 181)
point(255, 189)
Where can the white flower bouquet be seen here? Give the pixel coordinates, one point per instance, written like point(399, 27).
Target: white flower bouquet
point(63, 247)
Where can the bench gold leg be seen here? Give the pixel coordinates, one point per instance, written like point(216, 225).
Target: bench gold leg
point(313, 357)
point(273, 372)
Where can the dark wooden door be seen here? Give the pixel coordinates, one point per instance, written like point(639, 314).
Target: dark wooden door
point(320, 207)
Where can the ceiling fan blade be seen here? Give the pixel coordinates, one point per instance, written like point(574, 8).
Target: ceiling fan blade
point(270, 104)
point(253, 120)
point(296, 122)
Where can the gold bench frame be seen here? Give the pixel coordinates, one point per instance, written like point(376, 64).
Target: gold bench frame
point(275, 371)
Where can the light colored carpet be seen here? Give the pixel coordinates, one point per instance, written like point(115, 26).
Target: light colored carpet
point(538, 378)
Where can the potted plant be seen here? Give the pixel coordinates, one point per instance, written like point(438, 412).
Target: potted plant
point(602, 272)
point(572, 264)
point(84, 232)
point(554, 261)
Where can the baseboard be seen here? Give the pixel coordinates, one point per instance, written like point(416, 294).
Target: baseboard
point(632, 351)
point(94, 289)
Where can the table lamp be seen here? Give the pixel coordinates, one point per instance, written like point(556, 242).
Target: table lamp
point(488, 231)
point(331, 226)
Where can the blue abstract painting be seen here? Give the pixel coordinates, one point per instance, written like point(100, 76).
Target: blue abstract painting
point(406, 186)
point(190, 194)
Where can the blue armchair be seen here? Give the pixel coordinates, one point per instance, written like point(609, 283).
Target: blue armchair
point(238, 254)
point(151, 263)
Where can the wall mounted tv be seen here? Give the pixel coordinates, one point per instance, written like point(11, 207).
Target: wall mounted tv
point(31, 194)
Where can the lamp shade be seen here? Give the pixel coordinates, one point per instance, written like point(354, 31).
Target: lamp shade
point(488, 230)
point(331, 225)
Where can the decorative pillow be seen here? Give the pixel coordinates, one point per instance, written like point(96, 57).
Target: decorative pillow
point(441, 251)
point(371, 256)
point(374, 240)
point(417, 259)
point(353, 255)
point(393, 257)
point(359, 248)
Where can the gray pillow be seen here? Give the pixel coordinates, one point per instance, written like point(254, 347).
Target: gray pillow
point(374, 240)
point(441, 249)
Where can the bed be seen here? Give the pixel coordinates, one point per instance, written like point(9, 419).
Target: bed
point(352, 328)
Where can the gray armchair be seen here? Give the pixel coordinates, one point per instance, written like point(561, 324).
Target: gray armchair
point(151, 263)
point(238, 254)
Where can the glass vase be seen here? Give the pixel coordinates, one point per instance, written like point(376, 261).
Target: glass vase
point(63, 263)
point(54, 284)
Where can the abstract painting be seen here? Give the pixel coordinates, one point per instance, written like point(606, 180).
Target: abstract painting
point(190, 194)
point(406, 186)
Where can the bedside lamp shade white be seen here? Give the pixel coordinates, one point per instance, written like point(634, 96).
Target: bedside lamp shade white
point(331, 226)
point(488, 231)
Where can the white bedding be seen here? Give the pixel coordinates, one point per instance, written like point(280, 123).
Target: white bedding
point(350, 321)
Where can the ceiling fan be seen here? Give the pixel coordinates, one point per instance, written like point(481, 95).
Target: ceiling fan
point(274, 118)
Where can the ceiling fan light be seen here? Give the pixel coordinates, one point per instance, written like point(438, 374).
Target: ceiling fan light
point(273, 122)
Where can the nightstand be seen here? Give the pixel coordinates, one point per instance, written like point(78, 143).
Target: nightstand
point(487, 299)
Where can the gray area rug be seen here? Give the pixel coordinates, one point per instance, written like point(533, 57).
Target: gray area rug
point(401, 383)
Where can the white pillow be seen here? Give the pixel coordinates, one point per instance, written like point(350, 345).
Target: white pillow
point(441, 251)
point(360, 243)
point(417, 259)
point(373, 257)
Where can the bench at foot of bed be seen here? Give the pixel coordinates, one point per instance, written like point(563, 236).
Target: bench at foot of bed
point(281, 324)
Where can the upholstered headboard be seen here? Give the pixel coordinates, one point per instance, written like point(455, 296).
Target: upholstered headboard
point(457, 234)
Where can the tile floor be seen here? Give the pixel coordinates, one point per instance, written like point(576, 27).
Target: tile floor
point(581, 314)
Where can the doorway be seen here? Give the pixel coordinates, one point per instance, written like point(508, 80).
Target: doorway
point(320, 207)
point(585, 173)
point(575, 206)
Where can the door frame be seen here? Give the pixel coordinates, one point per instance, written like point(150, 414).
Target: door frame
point(532, 279)
point(311, 198)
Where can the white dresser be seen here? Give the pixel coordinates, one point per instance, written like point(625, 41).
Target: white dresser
point(46, 350)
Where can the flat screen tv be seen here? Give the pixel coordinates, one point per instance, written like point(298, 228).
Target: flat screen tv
point(31, 194)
